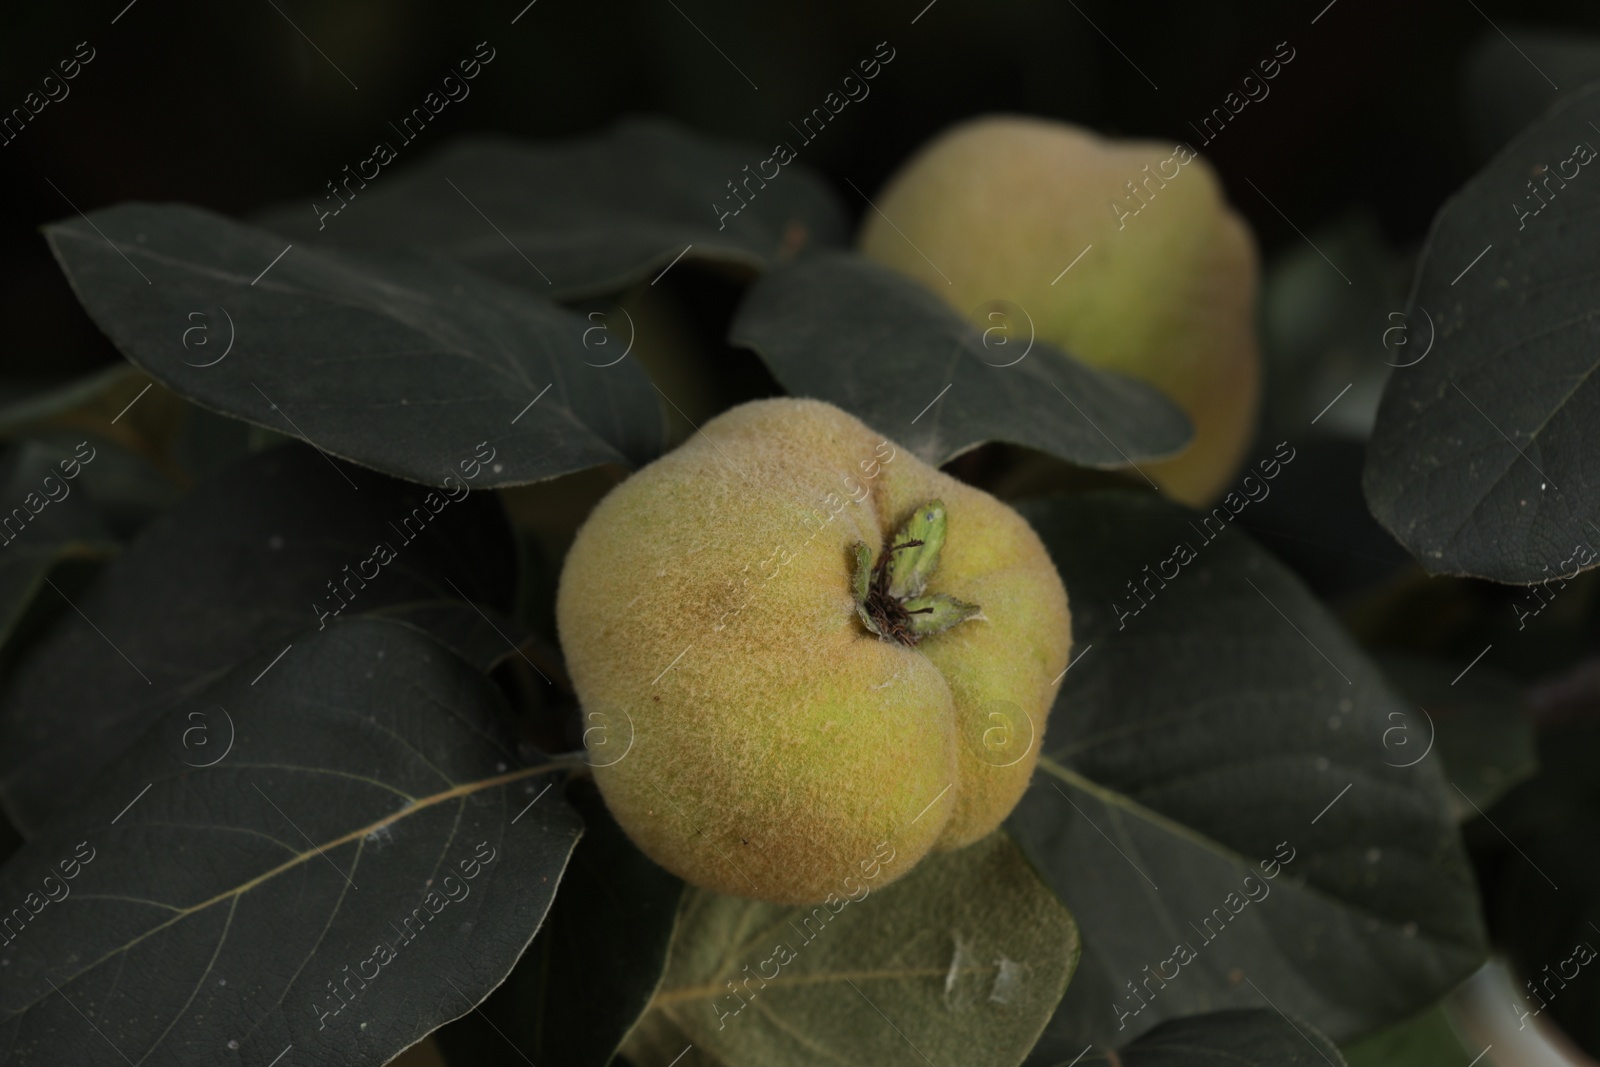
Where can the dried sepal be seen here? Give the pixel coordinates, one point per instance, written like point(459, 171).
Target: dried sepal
point(929, 615)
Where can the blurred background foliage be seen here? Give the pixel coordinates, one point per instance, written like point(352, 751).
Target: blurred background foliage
point(230, 107)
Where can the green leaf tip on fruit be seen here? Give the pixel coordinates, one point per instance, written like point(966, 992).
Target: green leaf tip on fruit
point(921, 538)
point(861, 584)
point(889, 596)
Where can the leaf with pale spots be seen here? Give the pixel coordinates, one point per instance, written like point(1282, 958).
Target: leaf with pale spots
point(961, 961)
point(1482, 458)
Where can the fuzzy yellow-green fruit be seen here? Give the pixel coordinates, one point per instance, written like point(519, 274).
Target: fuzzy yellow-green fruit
point(747, 729)
point(997, 208)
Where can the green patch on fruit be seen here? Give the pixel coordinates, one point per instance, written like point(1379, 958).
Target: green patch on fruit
point(889, 594)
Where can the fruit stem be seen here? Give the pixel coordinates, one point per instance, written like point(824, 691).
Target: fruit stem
point(887, 611)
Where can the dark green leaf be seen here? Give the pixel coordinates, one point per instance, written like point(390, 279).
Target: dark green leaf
point(587, 977)
point(366, 792)
point(881, 346)
point(1237, 1038)
point(1226, 731)
point(1481, 462)
point(483, 636)
point(411, 366)
point(240, 565)
point(961, 961)
point(65, 526)
point(579, 217)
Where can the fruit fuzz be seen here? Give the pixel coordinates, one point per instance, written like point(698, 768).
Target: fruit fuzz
point(716, 602)
point(1165, 289)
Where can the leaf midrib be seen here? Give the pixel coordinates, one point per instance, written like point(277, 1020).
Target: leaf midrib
point(465, 789)
point(666, 998)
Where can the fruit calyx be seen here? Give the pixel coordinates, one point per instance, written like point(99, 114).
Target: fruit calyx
point(889, 594)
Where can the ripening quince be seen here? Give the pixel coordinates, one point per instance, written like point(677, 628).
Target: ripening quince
point(805, 657)
point(996, 209)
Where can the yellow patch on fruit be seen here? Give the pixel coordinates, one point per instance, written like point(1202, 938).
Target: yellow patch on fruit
point(748, 730)
point(998, 209)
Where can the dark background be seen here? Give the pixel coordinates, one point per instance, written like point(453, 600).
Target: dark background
point(230, 107)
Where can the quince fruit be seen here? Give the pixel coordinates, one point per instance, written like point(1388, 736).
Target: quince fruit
point(806, 658)
point(995, 211)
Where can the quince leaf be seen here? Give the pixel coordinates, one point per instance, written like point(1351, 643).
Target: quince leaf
point(1240, 1038)
point(363, 862)
point(1481, 461)
point(590, 215)
point(1222, 807)
point(588, 976)
point(840, 328)
point(959, 962)
point(403, 363)
point(260, 546)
